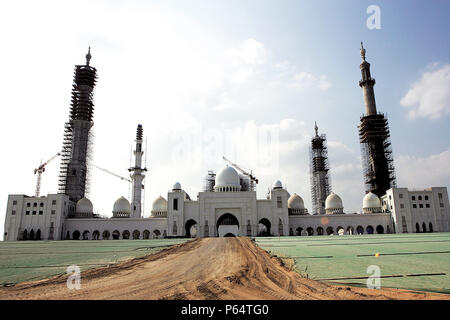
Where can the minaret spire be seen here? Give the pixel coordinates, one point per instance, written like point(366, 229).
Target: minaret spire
point(137, 175)
point(379, 173)
point(88, 56)
point(319, 172)
point(77, 142)
point(363, 52)
point(367, 83)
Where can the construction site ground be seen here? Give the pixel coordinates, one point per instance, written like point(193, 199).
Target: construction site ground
point(207, 268)
point(417, 261)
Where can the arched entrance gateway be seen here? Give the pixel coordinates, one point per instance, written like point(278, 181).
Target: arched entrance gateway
point(191, 228)
point(227, 226)
point(264, 227)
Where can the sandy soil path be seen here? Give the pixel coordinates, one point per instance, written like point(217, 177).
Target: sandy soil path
point(208, 268)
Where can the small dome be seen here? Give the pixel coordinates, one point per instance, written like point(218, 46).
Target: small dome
point(176, 186)
point(122, 205)
point(333, 201)
point(159, 204)
point(295, 202)
point(277, 185)
point(227, 178)
point(84, 205)
point(371, 200)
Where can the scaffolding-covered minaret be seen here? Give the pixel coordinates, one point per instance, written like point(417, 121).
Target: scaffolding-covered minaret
point(374, 136)
point(319, 172)
point(137, 175)
point(76, 149)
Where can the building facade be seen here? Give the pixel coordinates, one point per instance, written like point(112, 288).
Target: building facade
point(228, 212)
point(425, 210)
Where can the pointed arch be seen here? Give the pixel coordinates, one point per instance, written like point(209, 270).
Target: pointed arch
point(76, 235)
point(106, 234)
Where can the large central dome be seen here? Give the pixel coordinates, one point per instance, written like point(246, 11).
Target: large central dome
point(227, 179)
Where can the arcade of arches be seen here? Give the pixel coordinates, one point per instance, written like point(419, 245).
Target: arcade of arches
point(111, 235)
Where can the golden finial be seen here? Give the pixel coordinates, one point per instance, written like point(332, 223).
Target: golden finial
point(363, 52)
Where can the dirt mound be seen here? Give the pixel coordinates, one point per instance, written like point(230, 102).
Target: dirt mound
point(208, 268)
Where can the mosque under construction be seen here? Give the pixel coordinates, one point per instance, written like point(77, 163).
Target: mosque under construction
point(228, 205)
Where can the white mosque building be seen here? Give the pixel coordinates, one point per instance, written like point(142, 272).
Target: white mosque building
point(226, 211)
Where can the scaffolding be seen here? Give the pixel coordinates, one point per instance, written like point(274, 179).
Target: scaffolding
point(77, 150)
point(66, 154)
point(247, 184)
point(319, 173)
point(89, 161)
point(209, 181)
point(376, 154)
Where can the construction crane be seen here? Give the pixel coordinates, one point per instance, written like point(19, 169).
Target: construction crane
point(250, 175)
point(112, 173)
point(39, 172)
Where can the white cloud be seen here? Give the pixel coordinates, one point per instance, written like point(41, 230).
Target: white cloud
point(422, 172)
point(243, 75)
point(430, 96)
point(251, 52)
point(306, 80)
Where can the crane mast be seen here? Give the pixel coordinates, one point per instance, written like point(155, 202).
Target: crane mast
point(39, 172)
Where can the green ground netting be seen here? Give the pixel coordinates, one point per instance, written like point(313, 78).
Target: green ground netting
point(330, 257)
point(32, 260)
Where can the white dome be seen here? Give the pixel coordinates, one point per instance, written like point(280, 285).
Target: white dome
point(159, 204)
point(227, 178)
point(295, 202)
point(122, 205)
point(277, 185)
point(371, 200)
point(176, 186)
point(333, 201)
point(84, 205)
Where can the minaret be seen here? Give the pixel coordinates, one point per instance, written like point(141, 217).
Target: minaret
point(374, 136)
point(77, 136)
point(137, 176)
point(319, 175)
point(367, 83)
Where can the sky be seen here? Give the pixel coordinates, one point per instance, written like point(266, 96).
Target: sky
point(241, 79)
